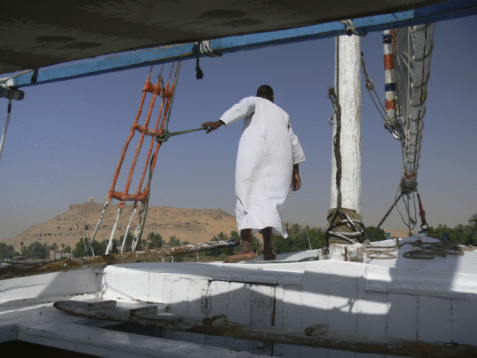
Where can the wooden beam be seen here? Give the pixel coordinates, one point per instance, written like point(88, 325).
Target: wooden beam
point(315, 336)
point(104, 260)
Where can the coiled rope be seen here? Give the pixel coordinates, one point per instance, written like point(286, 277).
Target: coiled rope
point(422, 251)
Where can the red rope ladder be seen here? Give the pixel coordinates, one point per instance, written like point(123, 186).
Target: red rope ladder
point(166, 94)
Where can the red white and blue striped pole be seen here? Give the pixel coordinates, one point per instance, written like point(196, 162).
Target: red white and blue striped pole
point(389, 75)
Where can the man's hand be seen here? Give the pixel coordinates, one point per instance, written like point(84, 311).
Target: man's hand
point(212, 126)
point(296, 181)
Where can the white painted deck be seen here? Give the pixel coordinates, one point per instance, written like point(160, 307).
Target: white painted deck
point(426, 300)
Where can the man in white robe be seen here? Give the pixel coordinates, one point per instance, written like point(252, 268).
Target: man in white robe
point(266, 169)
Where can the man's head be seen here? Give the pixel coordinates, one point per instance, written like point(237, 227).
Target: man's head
point(265, 91)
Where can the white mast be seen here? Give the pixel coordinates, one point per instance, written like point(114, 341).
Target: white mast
point(348, 89)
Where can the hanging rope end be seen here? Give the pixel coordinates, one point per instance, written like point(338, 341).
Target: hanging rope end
point(198, 72)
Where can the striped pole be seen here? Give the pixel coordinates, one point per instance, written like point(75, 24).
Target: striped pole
point(389, 75)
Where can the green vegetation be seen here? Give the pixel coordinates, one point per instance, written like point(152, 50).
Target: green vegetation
point(7, 251)
point(299, 238)
point(374, 234)
point(463, 235)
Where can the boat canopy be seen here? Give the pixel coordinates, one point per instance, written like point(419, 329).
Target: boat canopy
point(39, 34)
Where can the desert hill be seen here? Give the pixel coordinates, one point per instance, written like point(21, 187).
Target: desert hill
point(193, 225)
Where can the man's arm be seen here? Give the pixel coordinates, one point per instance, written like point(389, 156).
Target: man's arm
point(296, 181)
point(212, 126)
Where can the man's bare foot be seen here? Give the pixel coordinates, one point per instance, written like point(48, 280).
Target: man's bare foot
point(240, 257)
point(269, 256)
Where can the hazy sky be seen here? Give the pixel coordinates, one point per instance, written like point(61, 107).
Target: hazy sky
point(64, 139)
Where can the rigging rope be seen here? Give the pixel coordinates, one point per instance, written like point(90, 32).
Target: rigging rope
point(389, 211)
point(159, 133)
point(356, 226)
point(166, 135)
point(406, 78)
point(390, 122)
point(422, 214)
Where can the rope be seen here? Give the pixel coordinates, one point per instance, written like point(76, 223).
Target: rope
point(89, 250)
point(377, 252)
point(345, 219)
point(351, 30)
point(203, 48)
point(166, 135)
point(166, 94)
point(409, 126)
point(389, 211)
point(411, 219)
point(144, 209)
point(423, 251)
point(429, 250)
point(422, 214)
point(126, 233)
point(176, 80)
point(394, 127)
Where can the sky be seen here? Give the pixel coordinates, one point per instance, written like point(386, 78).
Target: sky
point(64, 139)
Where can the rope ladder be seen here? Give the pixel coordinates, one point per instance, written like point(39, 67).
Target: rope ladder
point(162, 96)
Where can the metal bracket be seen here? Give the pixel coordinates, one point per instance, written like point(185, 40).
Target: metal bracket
point(11, 93)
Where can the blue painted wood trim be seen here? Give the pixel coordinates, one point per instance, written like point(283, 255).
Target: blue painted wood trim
point(140, 58)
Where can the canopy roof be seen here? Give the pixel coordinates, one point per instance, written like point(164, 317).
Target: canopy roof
point(55, 40)
point(36, 34)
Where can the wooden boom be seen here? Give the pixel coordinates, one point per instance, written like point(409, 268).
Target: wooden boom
point(111, 259)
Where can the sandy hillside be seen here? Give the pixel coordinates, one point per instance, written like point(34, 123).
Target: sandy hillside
point(193, 225)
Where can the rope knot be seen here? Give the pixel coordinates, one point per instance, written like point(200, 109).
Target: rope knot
point(163, 137)
point(351, 30)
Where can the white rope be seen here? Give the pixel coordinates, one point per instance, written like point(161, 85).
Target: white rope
point(113, 231)
point(126, 233)
point(204, 48)
point(351, 30)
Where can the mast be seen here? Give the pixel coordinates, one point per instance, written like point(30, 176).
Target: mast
point(348, 90)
